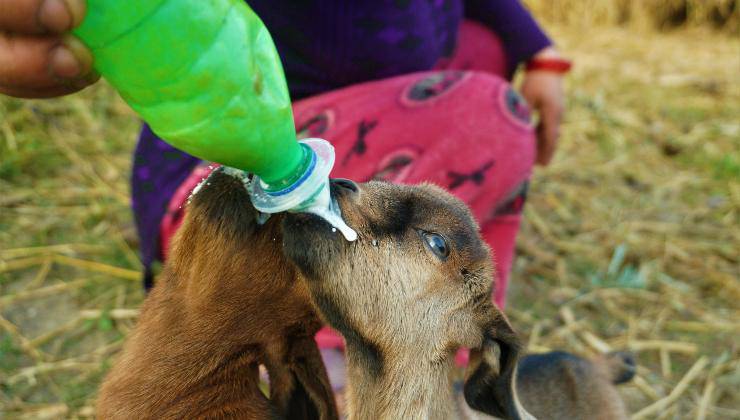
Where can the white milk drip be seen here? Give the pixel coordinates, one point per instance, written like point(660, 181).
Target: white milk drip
point(334, 217)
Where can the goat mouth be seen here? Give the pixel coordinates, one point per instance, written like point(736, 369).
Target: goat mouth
point(306, 223)
point(311, 243)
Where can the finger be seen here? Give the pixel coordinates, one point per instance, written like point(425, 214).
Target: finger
point(548, 132)
point(50, 92)
point(40, 16)
point(40, 63)
point(543, 149)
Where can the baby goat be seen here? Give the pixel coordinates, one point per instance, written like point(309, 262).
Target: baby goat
point(413, 289)
point(226, 302)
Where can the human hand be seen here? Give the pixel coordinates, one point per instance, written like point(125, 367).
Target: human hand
point(543, 90)
point(38, 57)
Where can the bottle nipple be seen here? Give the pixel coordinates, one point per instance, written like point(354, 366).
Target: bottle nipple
point(310, 193)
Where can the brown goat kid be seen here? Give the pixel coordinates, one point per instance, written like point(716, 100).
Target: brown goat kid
point(414, 288)
point(559, 385)
point(226, 302)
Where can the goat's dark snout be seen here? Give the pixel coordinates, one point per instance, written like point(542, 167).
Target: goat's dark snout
point(624, 366)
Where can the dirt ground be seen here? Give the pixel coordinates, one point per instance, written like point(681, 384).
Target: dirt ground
point(631, 238)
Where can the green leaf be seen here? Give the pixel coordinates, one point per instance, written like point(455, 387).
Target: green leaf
point(617, 260)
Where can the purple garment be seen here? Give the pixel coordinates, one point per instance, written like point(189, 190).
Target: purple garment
point(157, 172)
point(328, 44)
point(520, 34)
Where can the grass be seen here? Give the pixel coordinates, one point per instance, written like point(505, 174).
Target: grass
point(723, 15)
point(631, 238)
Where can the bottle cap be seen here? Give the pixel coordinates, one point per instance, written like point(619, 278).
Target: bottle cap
point(311, 189)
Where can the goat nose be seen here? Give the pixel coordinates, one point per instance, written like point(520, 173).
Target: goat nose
point(345, 184)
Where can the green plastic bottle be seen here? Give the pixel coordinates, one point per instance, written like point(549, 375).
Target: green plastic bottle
point(205, 75)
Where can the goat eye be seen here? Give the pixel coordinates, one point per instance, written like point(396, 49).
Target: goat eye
point(437, 244)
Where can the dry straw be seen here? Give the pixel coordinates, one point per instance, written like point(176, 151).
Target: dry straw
point(630, 239)
point(659, 14)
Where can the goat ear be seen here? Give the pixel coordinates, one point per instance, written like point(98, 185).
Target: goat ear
point(490, 384)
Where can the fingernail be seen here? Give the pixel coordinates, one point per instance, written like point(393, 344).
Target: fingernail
point(77, 9)
point(72, 49)
point(64, 65)
point(72, 63)
point(55, 16)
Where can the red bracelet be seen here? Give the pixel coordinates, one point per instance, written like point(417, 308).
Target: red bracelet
point(555, 65)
